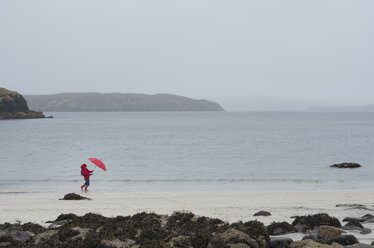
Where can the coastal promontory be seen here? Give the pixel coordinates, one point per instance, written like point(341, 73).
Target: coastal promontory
point(14, 106)
point(118, 102)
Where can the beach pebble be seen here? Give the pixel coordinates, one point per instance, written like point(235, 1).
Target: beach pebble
point(262, 213)
point(280, 242)
point(328, 232)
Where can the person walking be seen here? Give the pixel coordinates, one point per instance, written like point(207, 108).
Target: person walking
point(86, 173)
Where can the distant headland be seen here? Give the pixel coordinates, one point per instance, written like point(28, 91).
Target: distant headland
point(14, 106)
point(121, 102)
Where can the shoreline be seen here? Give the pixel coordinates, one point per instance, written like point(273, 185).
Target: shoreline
point(181, 229)
point(229, 206)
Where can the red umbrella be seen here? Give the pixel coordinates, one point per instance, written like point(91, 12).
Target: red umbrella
point(98, 163)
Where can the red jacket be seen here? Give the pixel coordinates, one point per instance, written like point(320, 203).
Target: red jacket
point(86, 173)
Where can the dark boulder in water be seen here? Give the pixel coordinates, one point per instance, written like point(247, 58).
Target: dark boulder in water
point(346, 165)
point(309, 222)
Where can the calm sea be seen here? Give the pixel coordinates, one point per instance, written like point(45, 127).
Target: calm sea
point(188, 151)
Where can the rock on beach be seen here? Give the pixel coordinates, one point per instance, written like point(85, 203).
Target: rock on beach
point(73, 196)
point(150, 230)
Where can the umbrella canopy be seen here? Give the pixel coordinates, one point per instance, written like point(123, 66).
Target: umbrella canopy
point(98, 163)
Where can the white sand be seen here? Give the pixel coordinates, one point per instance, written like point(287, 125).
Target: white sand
point(226, 205)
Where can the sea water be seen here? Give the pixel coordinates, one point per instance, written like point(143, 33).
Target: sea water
point(188, 151)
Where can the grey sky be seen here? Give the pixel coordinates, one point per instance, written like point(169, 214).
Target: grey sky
point(314, 51)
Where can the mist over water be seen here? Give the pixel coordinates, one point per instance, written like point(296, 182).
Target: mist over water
point(189, 150)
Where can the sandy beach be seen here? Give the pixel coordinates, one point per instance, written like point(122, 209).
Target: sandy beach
point(231, 206)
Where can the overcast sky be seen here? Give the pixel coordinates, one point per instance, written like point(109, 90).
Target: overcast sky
point(311, 51)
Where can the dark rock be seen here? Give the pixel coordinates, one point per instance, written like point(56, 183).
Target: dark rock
point(199, 230)
point(254, 229)
point(313, 236)
point(44, 236)
point(359, 245)
point(354, 219)
point(262, 213)
point(367, 216)
point(232, 238)
point(180, 241)
point(328, 232)
point(32, 227)
point(11, 101)
point(73, 196)
point(14, 106)
point(346, 165)
point(62, 217)
point(280, 242)
point(355, 225)
point(308, 222)
point(278, 228)
point(370, 220)
point(308, 243)
point(4, 236)
point(116, 243)
point(351, 206)
point(6, 244)
point(21, 236)
point(343, 240)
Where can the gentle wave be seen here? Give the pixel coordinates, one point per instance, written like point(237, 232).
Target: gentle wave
point(172, 180)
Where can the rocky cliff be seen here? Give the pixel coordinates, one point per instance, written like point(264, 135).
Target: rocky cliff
point(85, 102)
point(14, 106)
